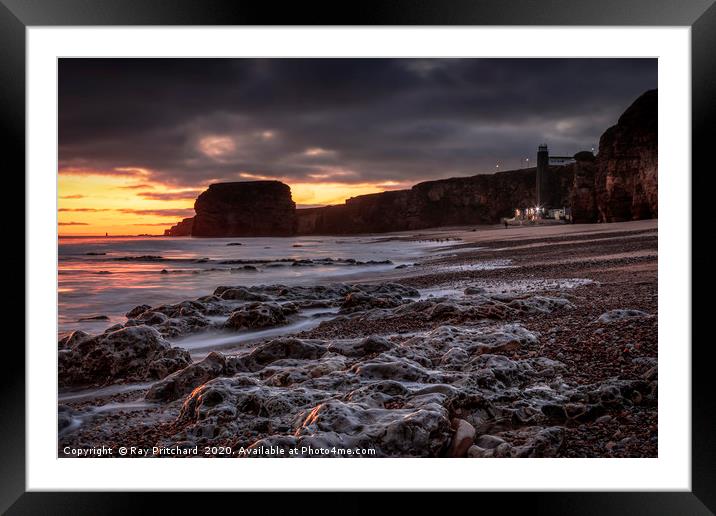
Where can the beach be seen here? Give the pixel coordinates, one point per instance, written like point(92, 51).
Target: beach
point(478, 342)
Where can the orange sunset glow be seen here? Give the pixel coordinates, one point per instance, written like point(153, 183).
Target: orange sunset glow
point(130, 203)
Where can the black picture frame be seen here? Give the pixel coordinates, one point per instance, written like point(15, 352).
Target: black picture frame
point(17, 15)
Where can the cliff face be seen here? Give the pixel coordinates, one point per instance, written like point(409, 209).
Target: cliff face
point(249, 208)
point(582, 195)
point(626, 172)
point(377, 213)
point(182, 228)
point(481, 199)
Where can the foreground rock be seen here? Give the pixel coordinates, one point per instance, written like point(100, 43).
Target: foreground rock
point(255, 316)
point(445, 392)
point(620, 315)
point(137, 353)
point(185, 380)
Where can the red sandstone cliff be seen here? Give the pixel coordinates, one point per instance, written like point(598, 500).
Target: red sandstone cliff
point(582, 194)
point(480, 199)
point(626, 175)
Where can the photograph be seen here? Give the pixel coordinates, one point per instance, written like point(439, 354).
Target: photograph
point(357, 257)
point(413, 247)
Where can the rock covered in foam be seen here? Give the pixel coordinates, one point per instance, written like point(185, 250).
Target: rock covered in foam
point(74, 338)
point(621, 314)
point(420, 430)
point(137, 310)
point(540, 304)
point(359, 301)
point(134, 353)
point(255, 316)
point(473, 387)
point(538, 442)
point(279, 349)
point(227, 407)
point(361, 347)
point(185, 380)
point(242, 294)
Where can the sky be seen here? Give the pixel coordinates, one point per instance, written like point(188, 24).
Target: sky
point(139, 139)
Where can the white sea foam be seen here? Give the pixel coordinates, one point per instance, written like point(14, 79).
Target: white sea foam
point(201, 344)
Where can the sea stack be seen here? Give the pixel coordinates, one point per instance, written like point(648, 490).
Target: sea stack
point(245, 209)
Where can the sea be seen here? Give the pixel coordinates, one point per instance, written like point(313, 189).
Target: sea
point(100, 279)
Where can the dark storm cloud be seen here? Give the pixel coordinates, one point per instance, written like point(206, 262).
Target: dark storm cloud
point(190, 121)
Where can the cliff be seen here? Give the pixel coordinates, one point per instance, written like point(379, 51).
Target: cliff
point(249, 208)
point(626, 182)
point(182, 228)
point(480, 199)
point(582, 195)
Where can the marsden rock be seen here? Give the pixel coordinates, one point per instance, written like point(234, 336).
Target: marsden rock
point(249, 208)
point(136, 353)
